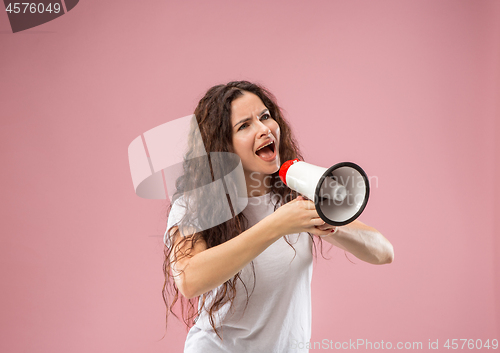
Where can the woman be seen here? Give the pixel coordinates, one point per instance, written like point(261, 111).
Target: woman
point(252, 273)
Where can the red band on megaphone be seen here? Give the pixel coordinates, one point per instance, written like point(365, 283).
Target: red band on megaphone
point(284, 169)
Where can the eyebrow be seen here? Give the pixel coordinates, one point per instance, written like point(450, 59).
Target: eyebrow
point(250, 118)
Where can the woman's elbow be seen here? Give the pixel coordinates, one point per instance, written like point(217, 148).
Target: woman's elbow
point(382, 256)
point(189, 295)
point(186, 291)
point(389, 255)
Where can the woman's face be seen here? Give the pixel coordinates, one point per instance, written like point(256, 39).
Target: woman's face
point(253, 128)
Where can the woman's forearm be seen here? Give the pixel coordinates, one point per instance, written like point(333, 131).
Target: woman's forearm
point(364, 242)
point(212, 267)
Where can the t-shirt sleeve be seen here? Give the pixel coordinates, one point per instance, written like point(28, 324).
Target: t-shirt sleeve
point(176, 215)
point(177, 211)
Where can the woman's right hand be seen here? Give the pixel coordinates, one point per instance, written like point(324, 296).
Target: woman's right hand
point(298, 216)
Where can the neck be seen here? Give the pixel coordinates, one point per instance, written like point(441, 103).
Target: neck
point(258, 184)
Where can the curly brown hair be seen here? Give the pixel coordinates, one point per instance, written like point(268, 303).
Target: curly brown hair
point(213, 117)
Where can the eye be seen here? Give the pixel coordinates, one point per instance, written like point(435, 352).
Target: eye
point(242, 126)
point(265, 116)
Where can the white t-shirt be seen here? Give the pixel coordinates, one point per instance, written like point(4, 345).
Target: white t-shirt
point(278, 315)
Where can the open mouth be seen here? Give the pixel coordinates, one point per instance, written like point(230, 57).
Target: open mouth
point(267, 152)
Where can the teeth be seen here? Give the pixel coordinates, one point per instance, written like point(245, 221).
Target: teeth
point(270, 143)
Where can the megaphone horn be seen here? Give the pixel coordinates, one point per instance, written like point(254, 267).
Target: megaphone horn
point(340, 193)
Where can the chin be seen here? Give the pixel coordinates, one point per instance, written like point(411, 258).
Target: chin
point(273, 169)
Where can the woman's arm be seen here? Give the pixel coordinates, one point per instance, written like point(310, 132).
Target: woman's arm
point(209, 268)
point(364, 242)
point(205, 269)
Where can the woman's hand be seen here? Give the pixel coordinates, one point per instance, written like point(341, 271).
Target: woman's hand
point(298, 216)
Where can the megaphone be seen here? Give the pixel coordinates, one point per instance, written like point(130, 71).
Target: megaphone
point(340, 193)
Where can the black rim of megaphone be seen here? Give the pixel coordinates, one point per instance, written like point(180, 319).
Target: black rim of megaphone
point(318, 187)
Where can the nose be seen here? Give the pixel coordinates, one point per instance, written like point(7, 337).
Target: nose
point(263, 130)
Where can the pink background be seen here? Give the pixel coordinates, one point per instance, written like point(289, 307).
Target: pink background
point(410, 90)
